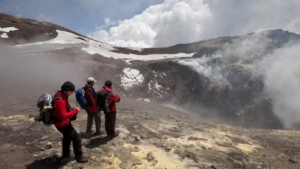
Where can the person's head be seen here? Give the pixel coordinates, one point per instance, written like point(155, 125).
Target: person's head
point(91, 81)
point(68, 88)
point(108, 83)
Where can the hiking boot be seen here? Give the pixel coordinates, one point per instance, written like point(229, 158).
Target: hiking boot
point(89, 131)
point(113, 136)
point(81, 159)
point(65, 156)
point(98, 133)
point(116, 133)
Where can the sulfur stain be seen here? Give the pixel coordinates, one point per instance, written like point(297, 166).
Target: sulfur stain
point(246, 148)
point(116, 163)
point(15, 117)
point(161, 159)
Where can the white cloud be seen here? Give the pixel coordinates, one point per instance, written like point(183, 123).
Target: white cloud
point(184, 21)
point(108, 22)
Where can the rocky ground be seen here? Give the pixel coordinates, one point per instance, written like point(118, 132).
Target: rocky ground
point(152, 136)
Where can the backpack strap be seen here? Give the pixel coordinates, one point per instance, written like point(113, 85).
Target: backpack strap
point(54, 99)
point(57, 98)
point(92, 92)
point(110, 94)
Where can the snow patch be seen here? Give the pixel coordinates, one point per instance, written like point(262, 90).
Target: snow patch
point(105, 50)
point(157, 86)
point(141, 99)
point(137, 49)
point(131, 78)
point(4, 35)
point(149, 85)
point(8, 29)
point(130, 57)
point(63, 37)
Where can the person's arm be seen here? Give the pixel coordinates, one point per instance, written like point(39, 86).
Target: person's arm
point(62, 114)
point(116, 98)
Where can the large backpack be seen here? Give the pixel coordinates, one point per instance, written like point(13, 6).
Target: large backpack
point(102, 102)
point(46, 109)
point(80, 98)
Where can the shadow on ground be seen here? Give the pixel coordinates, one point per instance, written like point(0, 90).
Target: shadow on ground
point(96, 142)
point(49, 163)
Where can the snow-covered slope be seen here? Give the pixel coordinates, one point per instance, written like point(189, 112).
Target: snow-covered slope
point(95, 47)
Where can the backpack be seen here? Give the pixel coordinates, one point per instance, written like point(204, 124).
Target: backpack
point(80, 99)
point(102, 102)
point(46, 109)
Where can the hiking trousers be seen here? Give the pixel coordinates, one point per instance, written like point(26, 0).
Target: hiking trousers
point(90, 118)
point(110, 122)
point(70, 134)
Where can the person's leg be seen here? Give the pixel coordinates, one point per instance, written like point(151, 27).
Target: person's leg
point(107, 123)
point(111, 118)
point(77, 146)
point(66, 141)
point(76, 141)
point(89, 122)
point(97, 122)
point(112, 122)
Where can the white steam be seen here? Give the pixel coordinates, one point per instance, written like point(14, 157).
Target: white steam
point(280, 69)
point(205, 67)
point(282, 82)
point(31, 69)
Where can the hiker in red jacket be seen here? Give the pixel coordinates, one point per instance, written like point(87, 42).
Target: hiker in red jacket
point(92, 111)
point(64, 114)
point(111, 112)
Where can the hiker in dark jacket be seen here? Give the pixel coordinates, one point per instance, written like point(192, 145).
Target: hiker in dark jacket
point(111, 112)
point(92, 110)
point(64, 114)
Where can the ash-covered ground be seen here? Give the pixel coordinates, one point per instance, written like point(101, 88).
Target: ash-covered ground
point(152, 136)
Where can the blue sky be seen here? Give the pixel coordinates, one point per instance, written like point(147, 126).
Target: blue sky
point(160, 23)
point(79, 15)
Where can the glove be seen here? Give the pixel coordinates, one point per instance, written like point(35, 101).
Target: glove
point(73, 118)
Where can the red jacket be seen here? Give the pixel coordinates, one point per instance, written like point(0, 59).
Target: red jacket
point(90, 97)
point(62, 110)
point(112, 98)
